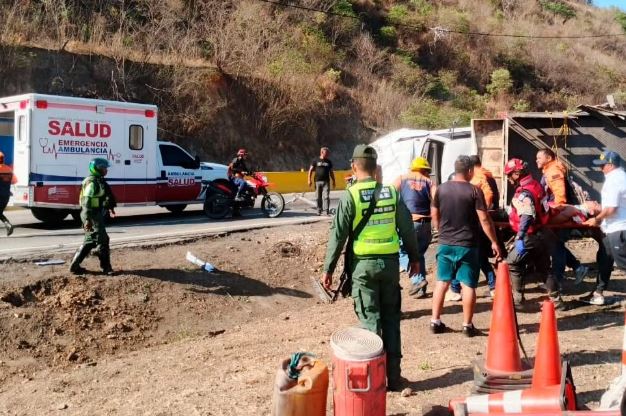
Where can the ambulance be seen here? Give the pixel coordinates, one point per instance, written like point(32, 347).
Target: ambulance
point(49, 140)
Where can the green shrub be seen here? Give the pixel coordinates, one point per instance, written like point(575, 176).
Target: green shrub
point(343, 7)
point(521, 105)
point(398, 14)
point(428, 114)
point(560, 9)
point(423, 7)
point(388, 35)
point(500, 82)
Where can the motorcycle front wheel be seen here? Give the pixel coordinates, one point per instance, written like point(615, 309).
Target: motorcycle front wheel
point(272, 204)
point(216, 206)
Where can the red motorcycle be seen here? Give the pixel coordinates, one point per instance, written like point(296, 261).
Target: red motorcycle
point(220, 197)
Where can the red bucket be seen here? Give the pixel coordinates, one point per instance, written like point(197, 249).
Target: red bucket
point(359, 373)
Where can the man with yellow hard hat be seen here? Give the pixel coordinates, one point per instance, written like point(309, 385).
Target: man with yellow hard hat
point(417, 190)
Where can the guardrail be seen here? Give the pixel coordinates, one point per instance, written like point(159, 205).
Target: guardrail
point(291, 182)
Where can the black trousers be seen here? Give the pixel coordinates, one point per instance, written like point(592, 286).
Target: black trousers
point(611, 251)
point(536, 258)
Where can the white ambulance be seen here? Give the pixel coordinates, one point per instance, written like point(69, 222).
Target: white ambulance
point(49, 141)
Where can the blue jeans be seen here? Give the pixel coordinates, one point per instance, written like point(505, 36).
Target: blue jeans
point(240, 183)
point(485, 266)
point(423, 233)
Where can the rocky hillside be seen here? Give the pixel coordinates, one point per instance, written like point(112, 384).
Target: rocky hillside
point(284, 77)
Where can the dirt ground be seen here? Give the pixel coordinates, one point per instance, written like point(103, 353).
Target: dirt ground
point(163, 338)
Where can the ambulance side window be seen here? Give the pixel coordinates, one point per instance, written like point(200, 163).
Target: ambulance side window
point(175, 156)
point(135, 137)
point(21, 128)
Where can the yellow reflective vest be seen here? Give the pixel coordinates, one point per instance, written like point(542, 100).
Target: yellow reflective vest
point(92, 193)
point(379, 236)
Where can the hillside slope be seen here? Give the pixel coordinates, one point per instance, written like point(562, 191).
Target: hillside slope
point(283, 80)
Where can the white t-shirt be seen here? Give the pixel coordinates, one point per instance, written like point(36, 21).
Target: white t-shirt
point(614, 195)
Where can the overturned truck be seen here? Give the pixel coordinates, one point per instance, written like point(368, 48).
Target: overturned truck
point(576, 137)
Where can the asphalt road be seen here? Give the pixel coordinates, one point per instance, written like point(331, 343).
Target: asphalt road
point(141, 226)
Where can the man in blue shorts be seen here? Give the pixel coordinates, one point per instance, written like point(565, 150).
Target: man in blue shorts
point(458, 213)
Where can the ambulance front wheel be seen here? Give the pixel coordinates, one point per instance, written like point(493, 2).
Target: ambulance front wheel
point(49, 215)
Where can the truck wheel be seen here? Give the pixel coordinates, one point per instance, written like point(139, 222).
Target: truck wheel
point(216, 206)
point(272, 204)
point(49, 215)
point(176, 209)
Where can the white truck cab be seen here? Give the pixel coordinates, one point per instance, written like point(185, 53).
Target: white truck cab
point(397, 149)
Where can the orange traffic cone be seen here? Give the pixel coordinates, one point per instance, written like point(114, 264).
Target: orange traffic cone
point(502, 354)
point(547, 356)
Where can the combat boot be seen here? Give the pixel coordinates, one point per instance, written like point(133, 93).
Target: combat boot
point(9, 227)
point(105, 260)
point(78, 258)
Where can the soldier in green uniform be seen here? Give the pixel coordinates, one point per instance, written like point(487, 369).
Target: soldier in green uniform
point(96, 199)
point(375, 266)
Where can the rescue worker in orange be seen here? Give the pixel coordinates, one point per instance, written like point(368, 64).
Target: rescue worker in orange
point(6, 180)
point(554, 182)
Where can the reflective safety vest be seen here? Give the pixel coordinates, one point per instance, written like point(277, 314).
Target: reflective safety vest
point(379, 236)
point(92, 193)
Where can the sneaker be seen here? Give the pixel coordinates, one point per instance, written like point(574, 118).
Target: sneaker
point(319, 213)
point(453, 296)
point(470, 331)
point(108, 272)
point(438, 328)
point(559, 305)
point(492, 293)
point(9, 230)
point(518, 298)
point(596, 299)
point(416, 287)
point(581, 272)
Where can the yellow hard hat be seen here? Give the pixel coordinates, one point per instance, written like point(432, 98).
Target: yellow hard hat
point(420, 163)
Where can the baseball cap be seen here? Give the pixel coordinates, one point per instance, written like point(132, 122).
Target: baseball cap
point(363, 151)
point(606, 157)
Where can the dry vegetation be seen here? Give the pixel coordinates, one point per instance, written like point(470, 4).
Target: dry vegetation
point(279, 78)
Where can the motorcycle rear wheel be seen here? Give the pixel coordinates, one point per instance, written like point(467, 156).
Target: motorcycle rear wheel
point(272, 204)
point(216, 206)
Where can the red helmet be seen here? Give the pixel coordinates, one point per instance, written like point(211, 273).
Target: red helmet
point(514, 165)
point(241, 152)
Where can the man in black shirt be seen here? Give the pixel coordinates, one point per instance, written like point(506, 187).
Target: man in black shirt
point(458, 213)
point(323, 168)
point(237, 169)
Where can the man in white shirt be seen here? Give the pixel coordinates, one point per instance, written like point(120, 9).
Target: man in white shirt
point(612, 220)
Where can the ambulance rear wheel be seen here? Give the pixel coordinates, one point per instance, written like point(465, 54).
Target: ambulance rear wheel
point(49, 215)
point(176, 209)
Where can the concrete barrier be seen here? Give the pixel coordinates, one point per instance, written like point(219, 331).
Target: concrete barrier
point(291, 182)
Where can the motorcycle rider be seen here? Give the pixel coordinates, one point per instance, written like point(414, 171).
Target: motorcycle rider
point(237, 169)
point(96, 198)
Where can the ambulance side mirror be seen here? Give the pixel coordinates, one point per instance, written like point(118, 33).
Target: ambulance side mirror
point(197, 162)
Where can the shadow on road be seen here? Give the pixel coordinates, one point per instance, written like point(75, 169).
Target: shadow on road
point(218, 283)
